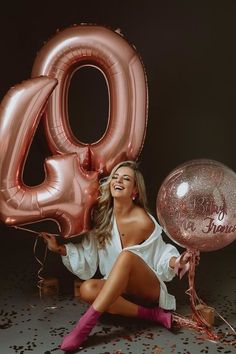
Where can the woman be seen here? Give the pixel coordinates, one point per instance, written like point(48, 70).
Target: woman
point(127, 245)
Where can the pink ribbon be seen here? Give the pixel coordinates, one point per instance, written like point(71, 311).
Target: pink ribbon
point(181, 268)
point(189, 260)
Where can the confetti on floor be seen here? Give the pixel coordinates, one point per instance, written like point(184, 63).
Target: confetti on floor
point(30, 324)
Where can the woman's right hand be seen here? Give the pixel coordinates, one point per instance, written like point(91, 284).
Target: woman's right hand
point(52, 244)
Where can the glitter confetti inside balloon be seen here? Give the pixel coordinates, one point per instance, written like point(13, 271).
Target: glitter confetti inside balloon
point(196, 205)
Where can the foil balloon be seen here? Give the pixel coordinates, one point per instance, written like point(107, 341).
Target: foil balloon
point(196, 205)
point(67, 193)
point(107, 50)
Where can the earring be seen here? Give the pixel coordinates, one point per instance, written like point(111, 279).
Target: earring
point(134, 196)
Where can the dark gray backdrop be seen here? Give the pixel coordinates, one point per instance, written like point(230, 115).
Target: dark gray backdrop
point(188, 50)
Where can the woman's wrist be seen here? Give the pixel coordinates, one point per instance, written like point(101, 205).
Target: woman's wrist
point(61, 249)
point(172, 262)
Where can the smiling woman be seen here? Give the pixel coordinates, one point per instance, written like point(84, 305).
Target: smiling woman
point(148, 261)
point(122, 183)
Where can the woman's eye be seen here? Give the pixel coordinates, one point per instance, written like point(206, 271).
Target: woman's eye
point(114, 177)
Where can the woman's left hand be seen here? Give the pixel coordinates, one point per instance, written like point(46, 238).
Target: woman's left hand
point(182, 263)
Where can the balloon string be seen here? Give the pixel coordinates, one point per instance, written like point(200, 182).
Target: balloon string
point(40, 277)
point(223, 319)
point(195, 300)
point(183, 321)
point(32, 231)
point(41, 262)
point(28, 230)
point(39, 283)
point(198, 322)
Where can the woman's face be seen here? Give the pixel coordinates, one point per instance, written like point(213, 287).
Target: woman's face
point(122, 184)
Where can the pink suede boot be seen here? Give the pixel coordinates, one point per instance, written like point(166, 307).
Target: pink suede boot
point(156, 314)
point(81, 331)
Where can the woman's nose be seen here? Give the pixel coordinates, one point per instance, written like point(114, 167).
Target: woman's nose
point(119, 179)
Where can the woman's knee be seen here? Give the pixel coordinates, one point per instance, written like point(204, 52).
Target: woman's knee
point(89, 289)
point(126, 259)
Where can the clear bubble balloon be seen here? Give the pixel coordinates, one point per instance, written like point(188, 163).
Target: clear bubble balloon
point(196, 205)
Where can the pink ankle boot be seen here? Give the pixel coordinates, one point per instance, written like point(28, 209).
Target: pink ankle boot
point(81, 331)
point(156, 314)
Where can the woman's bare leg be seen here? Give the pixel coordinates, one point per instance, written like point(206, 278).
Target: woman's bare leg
point(131, 275)
point(90, 289)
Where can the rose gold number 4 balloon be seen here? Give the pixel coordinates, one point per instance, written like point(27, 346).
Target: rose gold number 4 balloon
point(71, 184)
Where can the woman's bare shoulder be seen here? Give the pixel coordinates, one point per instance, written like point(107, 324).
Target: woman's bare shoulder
point(143, 220)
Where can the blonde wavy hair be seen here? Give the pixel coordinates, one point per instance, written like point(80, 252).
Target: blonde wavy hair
point(102, 213)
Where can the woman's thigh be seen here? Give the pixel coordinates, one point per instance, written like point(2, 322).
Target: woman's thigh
point(143, 282)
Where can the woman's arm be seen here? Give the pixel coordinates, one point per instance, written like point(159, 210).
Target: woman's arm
point(164, 259)
point(181, 264)
point(172, 262)
point(182, 261)
point(79, 258)
point(52, 244)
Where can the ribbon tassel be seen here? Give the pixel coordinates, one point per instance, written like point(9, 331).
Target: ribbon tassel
point(197, 322)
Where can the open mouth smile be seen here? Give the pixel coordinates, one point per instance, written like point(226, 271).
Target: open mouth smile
point(118, 188)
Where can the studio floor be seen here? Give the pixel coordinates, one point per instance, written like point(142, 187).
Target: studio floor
point(30, 324)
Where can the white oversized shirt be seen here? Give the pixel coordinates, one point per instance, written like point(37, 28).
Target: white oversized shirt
point(84, 258)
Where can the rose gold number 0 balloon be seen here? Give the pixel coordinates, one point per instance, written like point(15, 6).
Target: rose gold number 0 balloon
point(120, 64)
point(71, 175)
